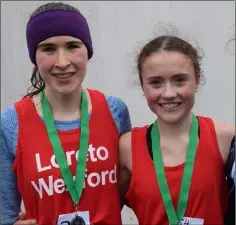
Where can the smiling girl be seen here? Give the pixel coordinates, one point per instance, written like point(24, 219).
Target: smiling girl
point(175, 167)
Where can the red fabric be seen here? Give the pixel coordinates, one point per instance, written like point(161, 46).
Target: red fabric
point(208, 193)
point(100, 196)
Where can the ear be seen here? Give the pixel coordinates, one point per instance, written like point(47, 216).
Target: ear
point(143, 89)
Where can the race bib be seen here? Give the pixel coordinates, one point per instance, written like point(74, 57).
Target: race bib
point(70, 218)
point(191, 221)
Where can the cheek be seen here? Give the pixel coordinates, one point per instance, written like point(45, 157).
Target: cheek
point(187, 92)
point(151, 94)
point(80, 58)
point(44, 63)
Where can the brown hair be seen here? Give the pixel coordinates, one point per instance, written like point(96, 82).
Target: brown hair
point(169, 43)
point(37, 83)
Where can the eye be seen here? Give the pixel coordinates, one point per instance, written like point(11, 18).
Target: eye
point(180, 80)
point(48, 49)
point(72, 46)
point(156, 83)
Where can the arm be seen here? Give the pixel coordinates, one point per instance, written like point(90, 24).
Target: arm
point(10, 199)
point(23, 221)
point(225, 133)
point(231, 177)
point(230, 164)
point(120, 114)
point(125, 162)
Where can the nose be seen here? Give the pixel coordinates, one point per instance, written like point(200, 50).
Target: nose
point(169, 92)
point(62, 61)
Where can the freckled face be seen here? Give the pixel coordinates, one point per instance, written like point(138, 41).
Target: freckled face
point(169, 84)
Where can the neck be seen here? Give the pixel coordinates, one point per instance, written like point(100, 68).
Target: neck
point(64, 107)
point(180, 128)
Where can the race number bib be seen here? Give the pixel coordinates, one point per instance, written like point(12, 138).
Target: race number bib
point(191, 221)
point(71, 219)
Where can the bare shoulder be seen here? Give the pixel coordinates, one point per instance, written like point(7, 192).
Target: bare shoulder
point(224, 130)
point(225, 133)
point(125, 140)
point(125, 154)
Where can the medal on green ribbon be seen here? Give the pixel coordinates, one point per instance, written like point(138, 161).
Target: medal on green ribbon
point(74, 187)
point(174, 217)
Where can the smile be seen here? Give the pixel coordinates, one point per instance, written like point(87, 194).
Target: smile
point(63, 75)
point(169, 106)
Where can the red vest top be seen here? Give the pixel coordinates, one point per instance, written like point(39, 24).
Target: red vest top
point(208, 193)
point(38, 176)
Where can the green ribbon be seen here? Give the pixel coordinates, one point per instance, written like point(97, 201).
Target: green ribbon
point(173, 216)
point(74, 187)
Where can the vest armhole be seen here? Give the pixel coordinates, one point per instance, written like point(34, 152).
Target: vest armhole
point(137, 134)
point(209, 129)
point(93, 94)
point(133, 158)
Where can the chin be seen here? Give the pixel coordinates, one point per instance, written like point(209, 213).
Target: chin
point(170, 117)
point(67, 89)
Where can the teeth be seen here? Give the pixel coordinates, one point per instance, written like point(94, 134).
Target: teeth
point(64, 76)
point(170, 106)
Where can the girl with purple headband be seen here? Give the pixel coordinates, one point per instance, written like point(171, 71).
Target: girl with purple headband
point(59, 145)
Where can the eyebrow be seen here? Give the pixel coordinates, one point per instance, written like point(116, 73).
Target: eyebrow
point(174, 76)
point(47, 44)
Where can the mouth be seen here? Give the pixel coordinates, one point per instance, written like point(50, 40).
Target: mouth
point(170, 106)
point(63, 75)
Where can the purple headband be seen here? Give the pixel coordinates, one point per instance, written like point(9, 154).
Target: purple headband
point(57, 22)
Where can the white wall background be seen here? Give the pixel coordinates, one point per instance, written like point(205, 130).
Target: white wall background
point(118, 30)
